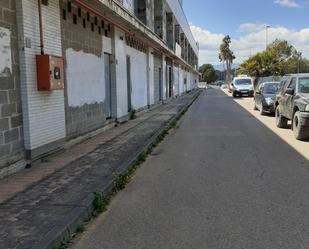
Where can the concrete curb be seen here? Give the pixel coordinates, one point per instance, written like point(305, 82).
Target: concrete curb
point(79, 214)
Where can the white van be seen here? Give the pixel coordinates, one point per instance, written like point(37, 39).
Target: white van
point(242, 85)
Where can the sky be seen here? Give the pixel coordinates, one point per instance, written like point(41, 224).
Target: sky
point(246, 21)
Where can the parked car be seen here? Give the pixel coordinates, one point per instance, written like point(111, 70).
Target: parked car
point(292, 103)
point(219, 83)
point(264, 97)
point(242, 86)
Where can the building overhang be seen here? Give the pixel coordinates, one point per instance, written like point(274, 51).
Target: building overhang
point(116, 14)
point(180, 16)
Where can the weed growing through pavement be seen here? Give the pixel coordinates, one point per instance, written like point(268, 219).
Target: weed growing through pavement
point(120, 181)
point(64, 245)
point(99, 203)
point(132, 114)
point(80, 228)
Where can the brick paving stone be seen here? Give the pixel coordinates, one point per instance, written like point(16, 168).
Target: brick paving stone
point(46, 208)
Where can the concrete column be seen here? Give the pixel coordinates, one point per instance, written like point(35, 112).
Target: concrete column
point(121, 80)
point(113, 74)
point(164, 78)
point(150, 77)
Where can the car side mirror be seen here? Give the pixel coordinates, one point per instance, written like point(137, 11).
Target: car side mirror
point(232, 84)
point(290, 91)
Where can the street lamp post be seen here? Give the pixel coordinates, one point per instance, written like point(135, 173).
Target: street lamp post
point(267, 27)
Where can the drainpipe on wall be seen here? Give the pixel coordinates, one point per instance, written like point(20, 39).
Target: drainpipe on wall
point(41, 27)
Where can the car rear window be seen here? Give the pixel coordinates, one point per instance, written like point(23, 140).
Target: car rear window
point(304, 85)
point(270, 88)
point(243, 82)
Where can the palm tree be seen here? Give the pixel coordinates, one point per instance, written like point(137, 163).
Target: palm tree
point(227, 56)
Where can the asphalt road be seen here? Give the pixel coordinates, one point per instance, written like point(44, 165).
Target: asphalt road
point(269, 120)
point(220, 180)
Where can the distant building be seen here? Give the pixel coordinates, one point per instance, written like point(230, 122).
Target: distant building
point(117, 56)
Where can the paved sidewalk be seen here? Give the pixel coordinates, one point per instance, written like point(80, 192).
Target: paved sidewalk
point(41, 205)
point(221, 180)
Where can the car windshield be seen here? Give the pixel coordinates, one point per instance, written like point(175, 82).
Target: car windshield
point(270, 88)
point(304, 85)
point(242, 82)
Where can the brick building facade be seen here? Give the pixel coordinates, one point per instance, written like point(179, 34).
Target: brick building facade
point(118, 56)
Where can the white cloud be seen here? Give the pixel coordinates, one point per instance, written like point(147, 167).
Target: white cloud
point(251, 42)
point(287, 3)
point(209, 44)
point(251, 27)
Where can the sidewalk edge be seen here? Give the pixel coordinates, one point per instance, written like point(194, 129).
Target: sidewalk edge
point(55, 238)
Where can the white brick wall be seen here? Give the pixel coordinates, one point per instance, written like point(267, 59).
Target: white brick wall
point(43, 112)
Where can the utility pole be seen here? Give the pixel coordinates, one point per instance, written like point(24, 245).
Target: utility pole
point(267, 27)
point(299, 55)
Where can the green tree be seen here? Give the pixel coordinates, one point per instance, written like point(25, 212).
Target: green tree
point(282, 49)
point(227, 56)
point(208, 73)
point(279, 58)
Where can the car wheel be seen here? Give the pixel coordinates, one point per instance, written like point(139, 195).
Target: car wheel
point(300, 132)
point(281, 122)
point(234, 95)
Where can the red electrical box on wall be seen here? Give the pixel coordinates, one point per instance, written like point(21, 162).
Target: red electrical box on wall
point(50, 75)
